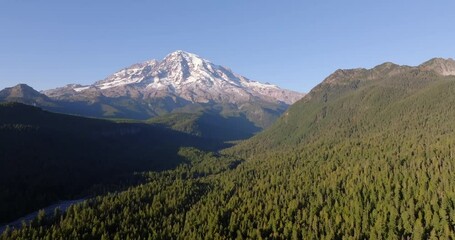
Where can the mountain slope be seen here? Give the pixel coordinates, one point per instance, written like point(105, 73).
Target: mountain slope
point(355, 96)
point(209, 124)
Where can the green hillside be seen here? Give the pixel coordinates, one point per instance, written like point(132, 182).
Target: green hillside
point(357, 103)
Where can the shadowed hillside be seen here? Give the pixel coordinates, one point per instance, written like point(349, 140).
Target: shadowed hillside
point(47, 157)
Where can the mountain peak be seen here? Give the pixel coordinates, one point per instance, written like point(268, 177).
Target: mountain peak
point(439, 60)
point(24, 94)
point(183, 54)
point(342, 74)
point(445, 67)
point(386, 65)
point(183, 57)
point(20, 91)
point(23, 86)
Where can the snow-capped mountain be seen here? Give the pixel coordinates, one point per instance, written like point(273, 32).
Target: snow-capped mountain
point(180, 84)
point(179, 75)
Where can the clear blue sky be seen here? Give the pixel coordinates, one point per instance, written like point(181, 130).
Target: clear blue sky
point(294, 44)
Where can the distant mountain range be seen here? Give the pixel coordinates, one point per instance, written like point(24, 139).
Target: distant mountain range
point(181, 83)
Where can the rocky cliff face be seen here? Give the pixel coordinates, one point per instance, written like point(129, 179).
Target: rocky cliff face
point(445, 67)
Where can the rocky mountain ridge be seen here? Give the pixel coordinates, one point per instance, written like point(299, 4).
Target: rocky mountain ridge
point(440, 66)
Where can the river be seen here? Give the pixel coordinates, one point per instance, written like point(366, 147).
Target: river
point(63, 205)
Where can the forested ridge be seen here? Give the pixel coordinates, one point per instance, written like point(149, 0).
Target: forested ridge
point(219, 123)
point(368, 154)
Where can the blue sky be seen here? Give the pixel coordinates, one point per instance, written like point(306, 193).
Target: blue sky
point(294, 44)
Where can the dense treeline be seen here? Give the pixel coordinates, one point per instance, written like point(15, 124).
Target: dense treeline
point(368, 161)
point(156, 209)
point(320, 194)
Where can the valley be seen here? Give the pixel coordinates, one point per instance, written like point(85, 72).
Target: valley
point(366, 154)
point(144, 120)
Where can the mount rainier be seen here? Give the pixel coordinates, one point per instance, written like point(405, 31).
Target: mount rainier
point(181, 83)
point(180, 75)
